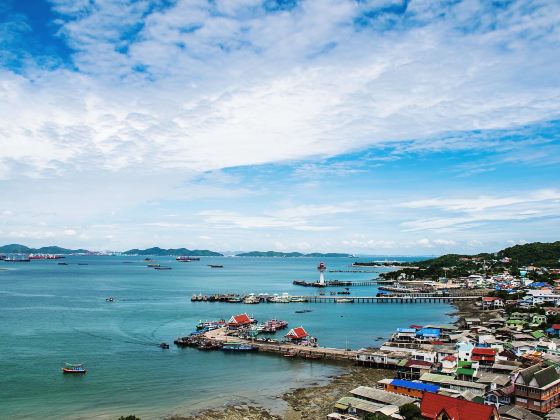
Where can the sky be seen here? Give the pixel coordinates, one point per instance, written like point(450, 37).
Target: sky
point(393, 127)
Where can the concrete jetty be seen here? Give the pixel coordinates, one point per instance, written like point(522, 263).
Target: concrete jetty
point(286, 348)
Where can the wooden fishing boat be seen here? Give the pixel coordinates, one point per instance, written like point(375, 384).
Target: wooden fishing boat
point(74, 368)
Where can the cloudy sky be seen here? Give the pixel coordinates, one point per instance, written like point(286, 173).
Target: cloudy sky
point(366, 126)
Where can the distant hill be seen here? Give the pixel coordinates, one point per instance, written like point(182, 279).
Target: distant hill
point(454, 265)
point(290, 254)
point(536, 253)
point(22, 249)
point(177, 251)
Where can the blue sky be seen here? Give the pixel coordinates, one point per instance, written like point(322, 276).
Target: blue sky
point(372, 126)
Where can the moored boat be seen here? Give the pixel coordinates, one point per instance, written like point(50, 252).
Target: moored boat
point(76, 368)
point(234, 346)
point(344, 300)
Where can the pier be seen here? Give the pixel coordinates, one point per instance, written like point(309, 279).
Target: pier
point(295, 350)
point(395, 298)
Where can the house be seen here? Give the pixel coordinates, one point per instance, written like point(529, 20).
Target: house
point(537, 388)
point(404, 334)
point(492, 303)
point(449, 364)
point(381, 396)
point(360, 408)
point(297, 334)
point(500, 397)
point(413, 369)
point(442, 407)
point(484, 356)
point(410, 388)
point(538, 320)
point(240, 320)
point(511, 412)
point(554, 330)
point(457, 385)
point(522, 347)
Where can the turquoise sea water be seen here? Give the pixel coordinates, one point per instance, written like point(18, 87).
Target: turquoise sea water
point(51, 314)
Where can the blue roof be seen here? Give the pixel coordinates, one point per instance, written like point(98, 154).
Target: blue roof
point(429, 331)
point(420, 386)
point(406, 330)
point(538, 284)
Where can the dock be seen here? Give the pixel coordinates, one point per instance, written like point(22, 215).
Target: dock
point(394, 298)
point(327, 353)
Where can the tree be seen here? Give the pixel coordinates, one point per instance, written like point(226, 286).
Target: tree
point(410, 412)
point(129, 417)
point(376, 416)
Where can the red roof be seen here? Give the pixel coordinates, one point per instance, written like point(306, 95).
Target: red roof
point(297, 332)
point(416, 327)
point(483, 351)
point(437, 342)
point(490, 298)
point(418, 363)
point(241, 319)
point(450, 358)
point(556, 326)
point(433, 404)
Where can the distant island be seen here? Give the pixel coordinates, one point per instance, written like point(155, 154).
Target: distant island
point(156, 251)
point(173, 251)
point(292, 254)
point(22, 249)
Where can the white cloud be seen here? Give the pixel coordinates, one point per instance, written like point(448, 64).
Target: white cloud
point(248, 88)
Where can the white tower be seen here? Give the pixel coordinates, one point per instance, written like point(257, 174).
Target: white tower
point(322, 267)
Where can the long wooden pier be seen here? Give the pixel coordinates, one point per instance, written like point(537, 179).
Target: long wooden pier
point(388, 299)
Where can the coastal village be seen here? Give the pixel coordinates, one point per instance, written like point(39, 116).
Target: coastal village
point(500, 359)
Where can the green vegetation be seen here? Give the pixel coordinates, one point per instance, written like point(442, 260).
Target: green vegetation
point(130, 417)
point(376, 416)
point(290, 254)
point(178, 251)
point(538, 254)
point(410, 412)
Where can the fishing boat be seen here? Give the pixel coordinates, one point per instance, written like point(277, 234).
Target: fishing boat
point(235, 299)
point(251, 299)
point(215, 266)
point(298, 299)
point(234, 346)
point(109, 299)
point(16, 260)
point(74, 368)
point(184, 258)
point(164, 346)
point(344, 300)
point(62, 263)
point(162, 268)
point(153, 265)
point(284, 298)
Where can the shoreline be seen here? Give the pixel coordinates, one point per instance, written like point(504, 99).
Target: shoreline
point(306, 403)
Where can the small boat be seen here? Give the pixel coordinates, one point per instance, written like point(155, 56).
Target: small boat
point(184, 258)
point(62, 263)
point(16, 260)
point(153, 265)
point(147, 259)
point(344, 300)
point(164, 346)
point(290, 354)
point(251, 299)
point(162, 268)
point(235, 299)
point(298, 299)
point(74, 368)
point(109, 299)
point(215, 266)
point(239, 347)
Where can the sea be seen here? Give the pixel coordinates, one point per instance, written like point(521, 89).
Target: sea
point(51, 314)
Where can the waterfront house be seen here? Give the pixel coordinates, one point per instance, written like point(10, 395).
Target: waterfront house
point(238, 321)
point(413, 369)
point(404, 335)
point(489, 302)
point(297, 334)
point(442, 407)
point(537, 388)
point(426, 355)
point(554, 330)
